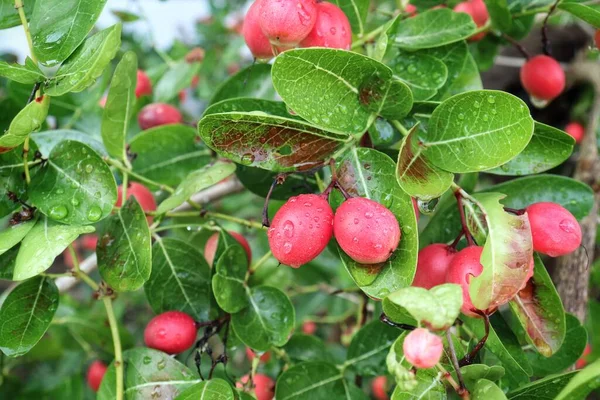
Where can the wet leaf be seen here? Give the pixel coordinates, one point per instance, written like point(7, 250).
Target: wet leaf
point(499, 14)
point(311, 380)
point(429, 386)
point(542, 388)
point(27, 74)
point(47, 140)
point(228, 282)
point(357, 12)
point(259, 181)
point(303, 347)
point(582, 11)
point(474, 372)
point(29, 119)
point(423, 73)
point(8, 260)
point(369, 348)
point(214, 389)
point(253, 81)
point(11, 235)
point(178, 77)
point(9, 16)
point(582, 384)
point(389, 99)
point(487, 390)
point(12, 179)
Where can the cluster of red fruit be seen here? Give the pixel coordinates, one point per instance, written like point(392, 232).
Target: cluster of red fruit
point(273, 26)
point(367, 231)
point(554, 230)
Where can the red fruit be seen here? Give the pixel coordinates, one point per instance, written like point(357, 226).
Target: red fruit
point(287, 22)
point(90, 242)
point(264, 358)
point(464, 264)
point(182, 95)
point(367, 231)
point(422, 348)
point(332, 29)
point(95, 373)
point(264, 386)
point(141, 194)
point(301, 229)
point(172, 332)
point(144, 86)
point(432, 265)
point(102, 101)
point(582, 362)
point(256, 40)
point(478, 12)
point(554, 229)
point(410, 10)
point(210, 248)
point(597, 38)
point(378, 386)
point(195, 81)
point(157, 114)
point(543, 77)
point(309, 327)
point(576, 130)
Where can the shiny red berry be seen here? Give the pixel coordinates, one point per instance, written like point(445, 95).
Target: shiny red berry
point(576, 130)
point(332, 29)
point(543, 77)
point(157, 114)
point(144, 86)
point(287, 22)
point(432, 265)
point(464, 265)
point(554, 230)
point(172, 332)
point(422, 348)
point(95, 373)
point(210, 248)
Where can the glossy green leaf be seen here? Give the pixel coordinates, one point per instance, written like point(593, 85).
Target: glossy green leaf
point(392, 100)
point(487, 390)
point(369, 173)
point(29, 119)
point(228, 282)
point(267, 321)
point(353, 82)
point(474, 372)
point(125, 16)
point(540, 311)
point(259, 181)
point(124, 248)
point(247, 104)
point(499, 14)
point(75, 186)
point(27, 74)
point(548, 148)
point(253, 81)
point(9, 16)
point(214, 389)
point(463, 73)
point(429, 386)
point(42, 244)
point(582, 384)
point(357, 12)
point(12, 180)
point(582, 11)
point(8, 260)
point(11, 235)
point(477, 130)
point(369, 348)
point(311, 380)
point(303, 347)
point(433, 28)
point(178, 77)
point(542, 389)
point(180, 279)
point(149, 374)
point(196, 181)
point(423, 73)
point(168, 153)
point(47, 140)
point(119, 106)
point(25, 315)
point(416, 175)
point(87, 63)
point(58, 27)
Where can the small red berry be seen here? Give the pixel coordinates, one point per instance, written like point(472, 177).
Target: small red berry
point(309, 327)
point(172, 332)
point(300, 229)
point(422, 348)
point(332, 29)
point(195, 81)
point(264, 358)
point(366, 230)
point(582, 361)
point(432, 265)
point(210, 248)
point(465, 264)
point(554, 230)
point(95, 373)
point(102, 101)
point(478, 12)
point(256, 40)
point(378, 386)
point(287, 22)
point(264, 386)
point(144, 86)
point(157, 114)
point(543, 77)
point(576, 130)
point(597, 38)
point(141, 193)
point(89, 242)
point(411, 10)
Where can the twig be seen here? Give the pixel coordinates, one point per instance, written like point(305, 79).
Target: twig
point(468, 359)
point(461, 382)
point(545, 40)
point(518, 46)
point(463, 219)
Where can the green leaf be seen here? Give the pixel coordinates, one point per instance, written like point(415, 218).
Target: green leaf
point(429, 387)
point(436, 308)
point(9, 16)
point(59, 26)
point(477, 130)
point(582, 11)
point(259, 106)
point(168, 153)
point(178, 77)
point(47, 140)
point(548, 148)
point(369, 348)
point(180, 279)
point(125, 16)
point(25, 315)
point(12, 180)
point(506, 255)
point(369, 173)
point(29, 119)
point(228, 282)
point(542, 389)
point(463, 73)
point(8, 260)
point(259, 182)
point(416, 175)
point(119, 106)
point(215, 389)
point(87, 63)
point(423, 73)
point(390, 100)
point(148, 374)
point(582, 384)
point(540, 311)
point(300, 75)
point(253, 81)
point(267, 321)
point(311, 380)
point(357, 12)
point(433, 28)
point(12, 235)
point(499, 14)
point(474, 372)
point(196, 181)
point(42, 244)
point(27, 74)
point(302, 347)
point(75, 186)
point(124, 248)
point(487, 390)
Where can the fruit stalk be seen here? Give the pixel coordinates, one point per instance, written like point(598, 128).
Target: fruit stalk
point(114, 330)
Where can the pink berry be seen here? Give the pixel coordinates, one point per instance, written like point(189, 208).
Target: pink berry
point(141, 193)
point(543, 77)
point(366, 230)
point(90, 242)
point(554, 229)
point(411, 10)
point(95, 373)
point(432, 265)
point(309, 327)
point(582, 361)
point(464, 264)
point(332, 29)
point(256, 40)
point(478, 12)
point(144, 86)
point(378, 386)
point(210, 248)
point(422, 348)
point(157, 114)
point(172, 332)
point(301, 229)
point(287, 22)
point(102, 101)
point(264, 386)
point(264, 358)
point(576, 130)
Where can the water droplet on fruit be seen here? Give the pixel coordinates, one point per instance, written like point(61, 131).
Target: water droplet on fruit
point(304, 16)
point(333, 30)
point(288, 229)
point(377, 246)
point(316, 219)
point(319, 209)
point(355, 221)
point(58, 212)
point(247, 159)
point(89, 168)
point(427, 207)
point(567, 226)
point(355, 239)
point(287, 247)
point(94, 213)
point(308, 204)
point(368, 215)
